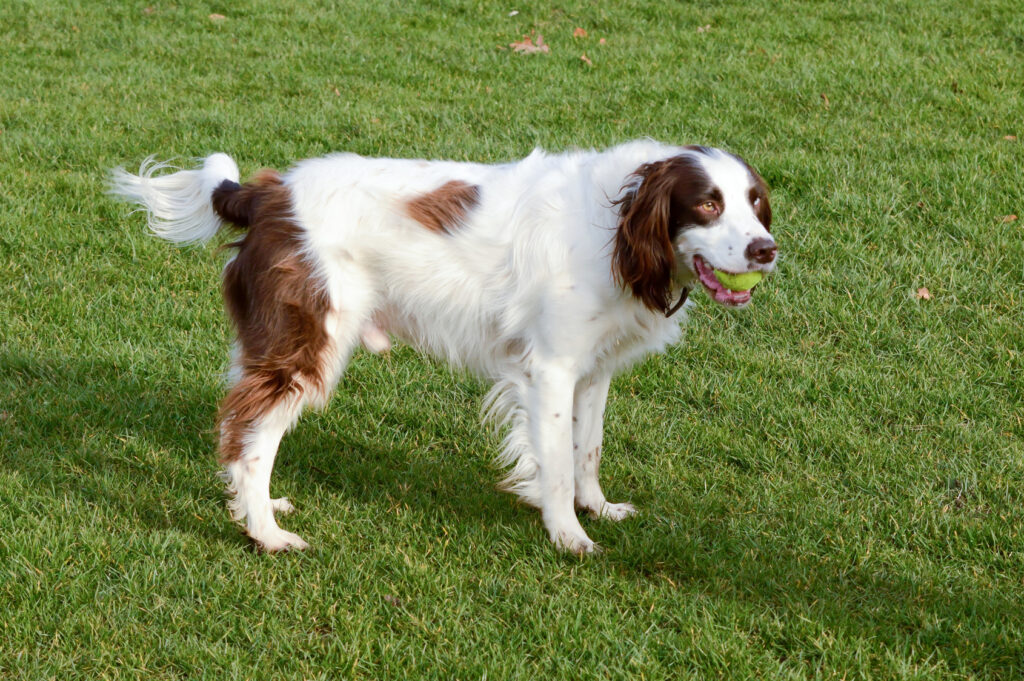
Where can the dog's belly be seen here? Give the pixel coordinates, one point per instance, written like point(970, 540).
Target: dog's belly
point(461, 341)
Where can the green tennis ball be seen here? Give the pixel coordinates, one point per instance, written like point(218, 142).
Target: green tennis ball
point(739, 282)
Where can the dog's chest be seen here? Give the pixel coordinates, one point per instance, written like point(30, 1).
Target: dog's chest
point(621, 339)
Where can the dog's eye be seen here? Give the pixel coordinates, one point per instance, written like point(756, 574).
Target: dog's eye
point(709, 207)
point(757, 201)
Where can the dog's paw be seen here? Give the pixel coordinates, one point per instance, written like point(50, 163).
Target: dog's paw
point(282, 505)
point(575, 542)
point(277, 540)
point(614, 512)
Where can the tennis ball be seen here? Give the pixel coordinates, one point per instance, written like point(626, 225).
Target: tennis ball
point(739, 282)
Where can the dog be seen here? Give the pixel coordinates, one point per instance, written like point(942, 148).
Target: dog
point(547, 276)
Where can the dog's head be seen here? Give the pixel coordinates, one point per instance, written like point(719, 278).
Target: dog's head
point(683, 218)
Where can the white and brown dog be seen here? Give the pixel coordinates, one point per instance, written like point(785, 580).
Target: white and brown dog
point(547, 276)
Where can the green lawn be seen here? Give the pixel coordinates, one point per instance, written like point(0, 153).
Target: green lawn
point(831, 482)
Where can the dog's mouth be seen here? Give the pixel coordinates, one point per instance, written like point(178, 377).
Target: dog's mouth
point(716, 289)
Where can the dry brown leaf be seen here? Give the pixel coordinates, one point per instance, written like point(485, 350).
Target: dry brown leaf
point(824, 98)
point(586, 60)
point(924, 294)
point(527, 46)
point(217, 17)
point(1010, 138)
point(1008, 218)
point(337, 92)
point(579, 33)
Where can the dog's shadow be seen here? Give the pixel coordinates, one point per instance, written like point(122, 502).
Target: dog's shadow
point(388, 444)
point(140, 444)
point(104, 436)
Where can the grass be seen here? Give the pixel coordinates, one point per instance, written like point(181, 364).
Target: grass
point(831, 482)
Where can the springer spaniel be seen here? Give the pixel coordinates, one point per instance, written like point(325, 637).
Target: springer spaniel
point(547, 275)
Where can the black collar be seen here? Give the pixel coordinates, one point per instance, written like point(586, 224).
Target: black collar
point(682, 299)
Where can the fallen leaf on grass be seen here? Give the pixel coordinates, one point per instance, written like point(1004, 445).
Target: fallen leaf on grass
point(824, 98)
point(579, 33)
point(1010, 138)
point(586, 60)
point(217, 17)
point(924, 294)
point(704, 29)
point(527, 46)
point(1008, 218)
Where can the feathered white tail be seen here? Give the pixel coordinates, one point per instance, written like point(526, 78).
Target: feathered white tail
point(177, 205)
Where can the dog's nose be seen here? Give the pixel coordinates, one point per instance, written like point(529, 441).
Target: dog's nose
point(762, 251)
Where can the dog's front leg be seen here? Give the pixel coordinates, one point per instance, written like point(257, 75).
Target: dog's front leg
point(588, 428)
point(550, 417)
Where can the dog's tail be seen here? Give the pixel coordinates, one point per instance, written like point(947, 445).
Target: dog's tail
point(187, 206)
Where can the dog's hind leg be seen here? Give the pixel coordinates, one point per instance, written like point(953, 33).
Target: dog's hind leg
point(260, 408)
point(262, 405)
point(248, 475)
point(268, 398)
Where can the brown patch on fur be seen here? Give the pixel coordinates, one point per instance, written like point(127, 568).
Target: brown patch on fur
point(444, 208)
point(236, 203)
point(650, 217)
point(763, 210)
point(277, 303)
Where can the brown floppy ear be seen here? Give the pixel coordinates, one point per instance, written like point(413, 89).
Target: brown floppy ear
point(643, 257)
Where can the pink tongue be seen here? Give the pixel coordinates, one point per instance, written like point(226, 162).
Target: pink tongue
point(718, 292)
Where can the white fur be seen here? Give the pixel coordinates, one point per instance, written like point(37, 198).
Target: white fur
point(178, 205)
point(248, 480)
point(522, 293)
